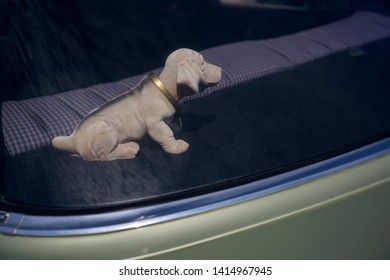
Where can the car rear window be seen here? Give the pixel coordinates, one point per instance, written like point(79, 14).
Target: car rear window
point(261, 128)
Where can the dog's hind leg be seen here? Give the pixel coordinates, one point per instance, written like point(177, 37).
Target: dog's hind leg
point(100, 143)
point(127, 150)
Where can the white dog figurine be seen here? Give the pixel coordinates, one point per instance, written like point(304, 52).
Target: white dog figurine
point(108, 132)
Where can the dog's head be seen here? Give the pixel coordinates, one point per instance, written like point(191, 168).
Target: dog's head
point(192, 70)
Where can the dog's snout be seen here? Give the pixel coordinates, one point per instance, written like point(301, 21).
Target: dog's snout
point(214, 74)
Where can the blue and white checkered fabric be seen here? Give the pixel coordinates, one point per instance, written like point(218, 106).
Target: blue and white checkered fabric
point(32, 123)
point(249, 60)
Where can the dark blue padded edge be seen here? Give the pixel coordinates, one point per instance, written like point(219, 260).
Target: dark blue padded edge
point(32, 123)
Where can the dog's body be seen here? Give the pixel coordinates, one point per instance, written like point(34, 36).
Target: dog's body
point(108, 133)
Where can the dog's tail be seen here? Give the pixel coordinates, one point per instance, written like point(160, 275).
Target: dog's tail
point(64, 143)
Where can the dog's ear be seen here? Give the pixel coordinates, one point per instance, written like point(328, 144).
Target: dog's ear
point(189, 74)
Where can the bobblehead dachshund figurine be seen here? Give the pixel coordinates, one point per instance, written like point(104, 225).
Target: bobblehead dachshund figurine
point(109, 132)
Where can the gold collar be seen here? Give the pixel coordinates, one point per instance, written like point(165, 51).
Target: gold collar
point(165, 91)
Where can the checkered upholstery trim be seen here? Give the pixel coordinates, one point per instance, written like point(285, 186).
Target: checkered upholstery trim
point(32, 123)
point(245, 61)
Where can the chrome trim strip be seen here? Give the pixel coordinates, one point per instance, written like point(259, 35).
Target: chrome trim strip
point(30, 225)
point(3, 217)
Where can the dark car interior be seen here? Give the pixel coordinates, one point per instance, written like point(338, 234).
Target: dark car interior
point(302, 114)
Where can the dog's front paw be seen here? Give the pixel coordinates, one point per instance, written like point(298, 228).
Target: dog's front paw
point(176, 147)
